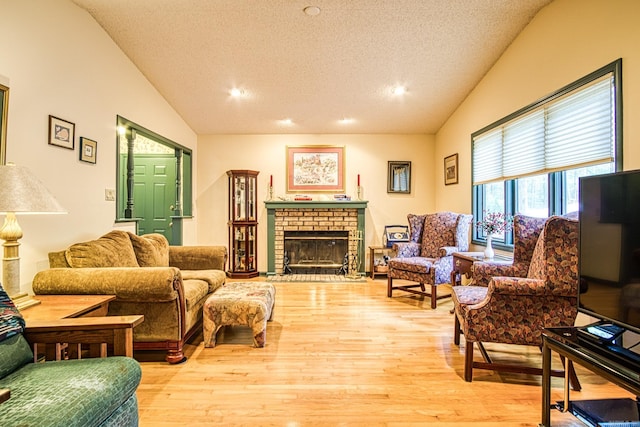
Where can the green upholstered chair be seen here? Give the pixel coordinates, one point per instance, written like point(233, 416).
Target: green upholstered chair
point(81, 392)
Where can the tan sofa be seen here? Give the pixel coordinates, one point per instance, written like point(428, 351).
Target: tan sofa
point(167, 284)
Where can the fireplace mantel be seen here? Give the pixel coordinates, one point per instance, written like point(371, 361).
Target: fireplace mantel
point(315, 208)
point(310, 204)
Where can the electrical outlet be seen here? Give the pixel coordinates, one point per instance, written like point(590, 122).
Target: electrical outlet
point(110, 194)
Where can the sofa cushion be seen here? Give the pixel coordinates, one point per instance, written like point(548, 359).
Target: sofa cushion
point(213, 278)
point(152, 250)
point(439, 231)
point(58, 259)
point(194, 291)
point(67, 393)
point(114, 249)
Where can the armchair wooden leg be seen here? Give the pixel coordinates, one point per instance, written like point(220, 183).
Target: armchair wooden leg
point(389, 285)
point(468, 361)
point(456, 330)
point(434, 296)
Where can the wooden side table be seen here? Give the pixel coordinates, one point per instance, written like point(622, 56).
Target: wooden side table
point(82, 318)
point(380, 251)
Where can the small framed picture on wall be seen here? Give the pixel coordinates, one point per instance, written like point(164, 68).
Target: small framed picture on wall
point(61, 133)
point(88, 150)
point(398, 177)
point(451, 169)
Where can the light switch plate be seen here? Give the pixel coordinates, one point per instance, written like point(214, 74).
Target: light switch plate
point(109, 194)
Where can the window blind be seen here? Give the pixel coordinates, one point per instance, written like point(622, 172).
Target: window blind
point(574, 130)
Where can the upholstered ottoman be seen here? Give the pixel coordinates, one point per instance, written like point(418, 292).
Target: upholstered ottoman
point(239, 304)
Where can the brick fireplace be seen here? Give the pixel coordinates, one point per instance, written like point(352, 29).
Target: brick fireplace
point(311, 216)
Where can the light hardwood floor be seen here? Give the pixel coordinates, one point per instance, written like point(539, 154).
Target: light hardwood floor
point(345, 354)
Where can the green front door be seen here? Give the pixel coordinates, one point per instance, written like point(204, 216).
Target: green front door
point(154, 193)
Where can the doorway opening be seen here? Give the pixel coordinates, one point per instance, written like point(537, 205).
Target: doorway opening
point(154, 181)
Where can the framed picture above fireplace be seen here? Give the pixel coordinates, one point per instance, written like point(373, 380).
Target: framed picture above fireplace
point(314, 168)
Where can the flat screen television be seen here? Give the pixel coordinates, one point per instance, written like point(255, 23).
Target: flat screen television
point(609, 259)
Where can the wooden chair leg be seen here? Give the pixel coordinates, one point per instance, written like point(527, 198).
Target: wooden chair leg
point(468, 361)
point(456, 330)
point(434, 296)
point(389, 285)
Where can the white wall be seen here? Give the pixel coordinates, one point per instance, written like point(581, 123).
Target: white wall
point(366, 155)
point(567, 40)
point(59, 61)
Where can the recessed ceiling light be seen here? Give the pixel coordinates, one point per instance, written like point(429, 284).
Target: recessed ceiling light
point(399, 90)
point(346, 120)
point(312, 10)
point(236, 92)
point(286, 122)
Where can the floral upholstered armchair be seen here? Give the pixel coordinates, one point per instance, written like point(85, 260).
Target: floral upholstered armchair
point(427, 257)
point(515, 310)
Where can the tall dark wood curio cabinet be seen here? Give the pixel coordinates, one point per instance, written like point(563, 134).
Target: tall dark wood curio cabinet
point(243, 223)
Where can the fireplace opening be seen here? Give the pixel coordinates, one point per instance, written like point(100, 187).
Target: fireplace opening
point(315, 252)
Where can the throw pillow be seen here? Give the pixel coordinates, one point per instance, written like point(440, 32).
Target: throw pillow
point(114, 249)
point(439, 230)
point(152, 250)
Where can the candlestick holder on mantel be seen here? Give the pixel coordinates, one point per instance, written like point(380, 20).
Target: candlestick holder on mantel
point(359, 192)
point(271, 192)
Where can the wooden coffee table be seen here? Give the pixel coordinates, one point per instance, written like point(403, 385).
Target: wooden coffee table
point(85, 317)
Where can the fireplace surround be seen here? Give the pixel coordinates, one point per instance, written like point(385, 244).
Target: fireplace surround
point(312, 216)
point(315, 252)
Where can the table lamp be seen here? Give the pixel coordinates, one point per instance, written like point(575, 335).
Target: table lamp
point(20, 193)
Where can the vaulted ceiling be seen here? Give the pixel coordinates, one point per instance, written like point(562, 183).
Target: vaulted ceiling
point(330, 68)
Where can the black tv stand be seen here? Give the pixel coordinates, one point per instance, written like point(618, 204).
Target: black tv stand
point(601, 332)
point(605, 339)
point(567, 342)
point(600, 412)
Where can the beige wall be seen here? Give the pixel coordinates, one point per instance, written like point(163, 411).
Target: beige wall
point(59, 61)
point(567, 40)
point(366, 155)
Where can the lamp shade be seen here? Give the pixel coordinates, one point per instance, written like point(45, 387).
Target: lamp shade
point(21, 192)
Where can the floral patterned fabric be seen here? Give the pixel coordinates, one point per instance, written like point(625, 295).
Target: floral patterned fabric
point(406, 250)
point(526, 231)
point(239, 303)
point(443, 234)
point(438, 231)
point(416, 222)
point(514, 310)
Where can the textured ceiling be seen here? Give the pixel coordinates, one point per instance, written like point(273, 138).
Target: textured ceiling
point(315, 70)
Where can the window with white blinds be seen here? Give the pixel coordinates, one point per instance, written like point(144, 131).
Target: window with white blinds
point(530, 161)
point(573, 130)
